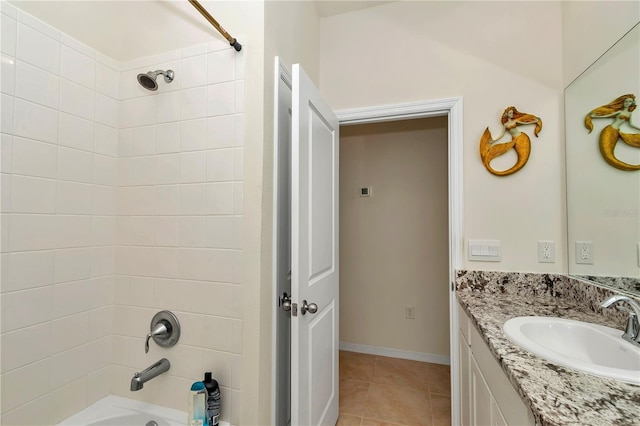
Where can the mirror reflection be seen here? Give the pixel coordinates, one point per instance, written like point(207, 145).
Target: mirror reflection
point(603, 168)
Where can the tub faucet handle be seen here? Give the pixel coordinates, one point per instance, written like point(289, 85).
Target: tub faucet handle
point(164, 330)
point(160, 330)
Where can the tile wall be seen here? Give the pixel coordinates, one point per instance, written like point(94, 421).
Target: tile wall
point(116, 202)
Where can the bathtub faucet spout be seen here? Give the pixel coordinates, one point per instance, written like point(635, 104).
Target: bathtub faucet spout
point(139, 379)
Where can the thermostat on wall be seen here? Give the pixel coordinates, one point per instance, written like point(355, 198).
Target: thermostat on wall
point(365, 191)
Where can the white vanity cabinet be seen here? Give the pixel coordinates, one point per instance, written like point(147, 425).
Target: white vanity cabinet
point(487, 397)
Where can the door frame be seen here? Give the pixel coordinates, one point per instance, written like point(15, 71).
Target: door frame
point(451, 107)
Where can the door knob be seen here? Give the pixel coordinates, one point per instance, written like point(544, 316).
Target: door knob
point(285, 302)
point(312, 308)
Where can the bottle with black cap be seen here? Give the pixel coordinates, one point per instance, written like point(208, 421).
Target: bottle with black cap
point(213, 399)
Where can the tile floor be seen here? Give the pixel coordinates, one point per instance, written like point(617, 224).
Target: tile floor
point(381, 391)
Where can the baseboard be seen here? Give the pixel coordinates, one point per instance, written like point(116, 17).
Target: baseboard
point(395, 353)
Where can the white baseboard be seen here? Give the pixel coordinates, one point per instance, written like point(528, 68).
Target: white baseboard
point(395, 353)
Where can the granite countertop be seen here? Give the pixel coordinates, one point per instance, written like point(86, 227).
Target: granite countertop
point(556, 395)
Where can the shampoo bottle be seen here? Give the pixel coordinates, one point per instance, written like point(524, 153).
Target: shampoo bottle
point(198, 405)
point(213, 399)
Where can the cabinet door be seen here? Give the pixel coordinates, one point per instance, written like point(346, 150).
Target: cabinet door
point(481, 399)
point(496, 414)
point(465, 382)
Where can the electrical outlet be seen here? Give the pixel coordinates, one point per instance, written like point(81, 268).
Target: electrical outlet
point(410, 312)
point(584, 252)
point(546, 251)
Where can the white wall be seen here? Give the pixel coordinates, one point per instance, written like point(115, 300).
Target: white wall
point(589, 28)
point(59, 178)
point(394, 244)
point(494, 54)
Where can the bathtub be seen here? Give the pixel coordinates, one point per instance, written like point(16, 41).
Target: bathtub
point(118, 411)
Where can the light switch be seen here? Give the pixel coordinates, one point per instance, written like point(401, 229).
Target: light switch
point(484, 250)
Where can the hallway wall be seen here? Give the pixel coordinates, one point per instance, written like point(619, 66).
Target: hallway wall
point(394, 244)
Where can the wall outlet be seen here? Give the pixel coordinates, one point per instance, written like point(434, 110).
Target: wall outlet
point(410, 312)
point(546, 251)
point(584, 252)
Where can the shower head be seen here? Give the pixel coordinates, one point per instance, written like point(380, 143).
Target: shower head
point(148, 80)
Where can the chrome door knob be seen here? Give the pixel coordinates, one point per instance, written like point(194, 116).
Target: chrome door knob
point(285, 302)
point(312, 308)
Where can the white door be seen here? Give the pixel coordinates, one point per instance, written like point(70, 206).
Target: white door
point(314, 256)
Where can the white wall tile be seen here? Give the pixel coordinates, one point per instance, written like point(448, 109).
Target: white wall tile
point(73, 231)
point(70, 331)
point(76, 99)
point(194, 71)
point(224, 300)
point(144, 110)
point(168, 138)
point(103, 230)
point(25, 346)
point(221, 132)
point(136, 291)
point(77, 67)
point(6, 153)
point(6, 120)
point(217, 44)
point(4, 233)
point(32, 232)
point(107, 110)
point(127, 113)
point(36, 85)
point(38, 25)
point(125, 142)
point(166, 231)
point(192, 167)
point(144, 140)
point(239, 133)
point(101, 322)
point(134, 171)
point(106, 140)
point(220, 165)
point(225, 367)
point(105, 170)
point(67, 400)
point(239, 95)
point(192, 231)
point(193, 103)
point(165, 262)
point(79, 47)
point(8, 74)
point(223, 232)
point(167, 169)
point(199, 49)
point(70, 299)
point(72, 265)
point(101, 291)
point(134, 261)
point(99, 354)
point(238, 164)
point(189, 362)
point(38, 49)
point(98, 382)
point(9, 34)
point(34, 121)
point(103, 261)
point(193, 199)
point(5, 196)
point(221, 66)
point(105, 200)
point(193, 135)
point(33, 195)
point(238, 197)
point(240, 64)
point(67, 367)
point(110, 62)
point(26, 308)
point(137, 201)
point(221, 99)
point(167, 201)
point(205, 265)
point(29, 269)
point(168, 107)
point(76, 132)
point(14, 391)
point(220, 198)
point(107, 81)
point(74, 198)
point(75, 165)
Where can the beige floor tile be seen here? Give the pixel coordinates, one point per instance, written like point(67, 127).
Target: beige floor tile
point(441, 410)
point(439, 379)
point(355, 366)
point(371, 422)
point(400, 373)
point(398, 405)
point(353, 397)
point(348, 420)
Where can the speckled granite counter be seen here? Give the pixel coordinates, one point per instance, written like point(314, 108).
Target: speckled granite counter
point(555, 395)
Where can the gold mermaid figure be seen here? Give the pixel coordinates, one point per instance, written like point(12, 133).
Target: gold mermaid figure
point(511, 119)
point(620, 110)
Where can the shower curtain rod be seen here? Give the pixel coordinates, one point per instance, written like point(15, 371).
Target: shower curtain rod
point(232, 41)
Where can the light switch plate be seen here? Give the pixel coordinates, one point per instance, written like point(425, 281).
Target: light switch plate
point(484, 250)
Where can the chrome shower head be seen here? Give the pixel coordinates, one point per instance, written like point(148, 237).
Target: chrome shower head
point(148, 80)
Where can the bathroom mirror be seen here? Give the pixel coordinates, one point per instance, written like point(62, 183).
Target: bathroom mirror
point(603, 201)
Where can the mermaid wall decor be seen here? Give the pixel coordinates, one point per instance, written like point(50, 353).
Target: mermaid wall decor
point(619, 110)
point(520, 142)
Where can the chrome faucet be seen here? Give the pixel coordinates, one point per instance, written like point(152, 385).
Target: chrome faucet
point(632, 331)
point(139, 379)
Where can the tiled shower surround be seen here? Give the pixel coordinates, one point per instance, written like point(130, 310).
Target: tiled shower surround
point(116, 202)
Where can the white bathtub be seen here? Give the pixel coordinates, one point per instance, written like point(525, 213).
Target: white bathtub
point(117, 411)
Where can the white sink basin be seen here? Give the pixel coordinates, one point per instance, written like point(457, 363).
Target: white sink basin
point(579, 345)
